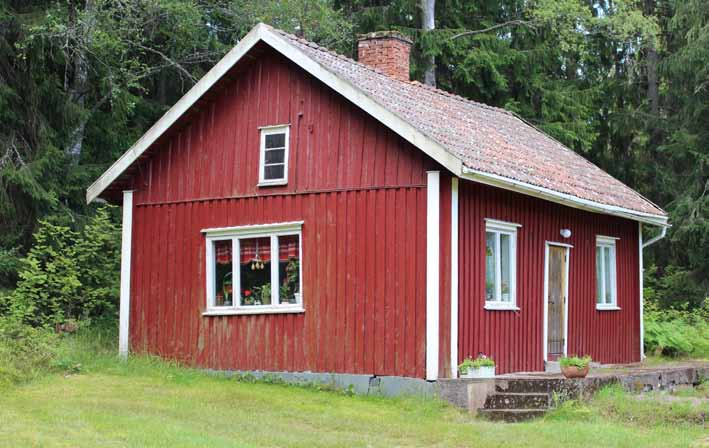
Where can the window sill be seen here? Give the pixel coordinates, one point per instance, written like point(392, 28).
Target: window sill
point(272, 183)
point(607, 308)
point(254, 310)
point(500, 307)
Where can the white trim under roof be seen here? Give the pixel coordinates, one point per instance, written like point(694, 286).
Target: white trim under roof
point(437, 152)
point(561, 198)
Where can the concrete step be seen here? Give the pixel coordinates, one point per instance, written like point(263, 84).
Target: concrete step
point(532, 385)
point(503, 400)
point(552, 367)
point(511, 415)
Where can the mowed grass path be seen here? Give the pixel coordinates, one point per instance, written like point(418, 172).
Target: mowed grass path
point(146, 403)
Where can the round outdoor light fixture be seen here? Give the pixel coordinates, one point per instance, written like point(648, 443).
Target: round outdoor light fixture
point(565, 233)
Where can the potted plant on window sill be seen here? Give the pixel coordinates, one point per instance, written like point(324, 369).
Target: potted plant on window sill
point(480, 367)
point(574, 366)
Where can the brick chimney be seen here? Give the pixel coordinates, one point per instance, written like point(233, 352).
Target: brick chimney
point(387, 51)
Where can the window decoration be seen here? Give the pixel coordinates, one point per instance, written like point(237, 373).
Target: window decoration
point(606, 288)
point(265, 275)
point(500, 264)
point(273, 166)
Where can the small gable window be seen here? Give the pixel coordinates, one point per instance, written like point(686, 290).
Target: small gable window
point(500, 265)
point(273, 166)
point(606, 294)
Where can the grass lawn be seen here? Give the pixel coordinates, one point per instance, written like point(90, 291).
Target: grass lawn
point(146, 402)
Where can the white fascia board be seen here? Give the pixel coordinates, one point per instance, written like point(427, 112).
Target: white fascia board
point(178, 110)
point(366, 103)
point(561, 198)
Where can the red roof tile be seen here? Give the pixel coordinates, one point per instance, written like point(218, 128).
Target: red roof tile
point(485, 138)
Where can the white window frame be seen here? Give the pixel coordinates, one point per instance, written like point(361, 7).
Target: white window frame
point(607, 242)
point(272, 231)
point(271, 130)
point(508, 228)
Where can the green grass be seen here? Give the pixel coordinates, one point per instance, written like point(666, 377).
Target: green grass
point(149, 402)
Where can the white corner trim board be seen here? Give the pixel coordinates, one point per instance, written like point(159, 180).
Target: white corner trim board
point(126, 239)
point(641, 271)
point(454, 277)
point(433, 223)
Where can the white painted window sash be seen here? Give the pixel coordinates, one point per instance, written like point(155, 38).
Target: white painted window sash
point(498, 268)
point(608, 275)
point(275, 265)
point(499, 228)
point(235, 234)
point(272, 130)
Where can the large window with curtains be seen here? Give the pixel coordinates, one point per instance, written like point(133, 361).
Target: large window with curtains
point(254, 269)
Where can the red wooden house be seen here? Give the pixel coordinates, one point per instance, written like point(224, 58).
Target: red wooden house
point(299, 211)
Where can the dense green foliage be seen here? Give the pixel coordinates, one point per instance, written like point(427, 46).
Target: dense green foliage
point(671, 332)
point(68, 275)
point(623, 82)
point(26, 352)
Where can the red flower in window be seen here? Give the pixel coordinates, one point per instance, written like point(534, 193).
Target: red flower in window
point(247, 293)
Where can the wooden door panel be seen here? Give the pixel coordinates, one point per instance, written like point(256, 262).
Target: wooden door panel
point(556, 301)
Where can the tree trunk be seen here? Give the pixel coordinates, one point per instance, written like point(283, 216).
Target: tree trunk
point(162, 87)
point(428, 19)
point(78, 87)
point(652, 62)
point(653, 96)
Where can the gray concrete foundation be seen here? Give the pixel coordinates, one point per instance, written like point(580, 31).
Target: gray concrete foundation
point(388, 386)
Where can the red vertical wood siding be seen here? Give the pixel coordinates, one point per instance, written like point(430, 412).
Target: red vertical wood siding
point(360, 191)
point(333, 144)
point(354, 322)
point(515, 339)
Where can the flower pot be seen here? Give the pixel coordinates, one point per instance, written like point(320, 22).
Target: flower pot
point(574, 372)
point(480, 372)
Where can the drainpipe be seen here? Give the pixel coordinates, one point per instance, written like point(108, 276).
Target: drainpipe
point(642, 246)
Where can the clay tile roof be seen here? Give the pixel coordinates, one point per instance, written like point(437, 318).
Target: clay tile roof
point(486, 139)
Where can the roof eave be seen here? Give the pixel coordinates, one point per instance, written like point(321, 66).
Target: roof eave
point(562, 198)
